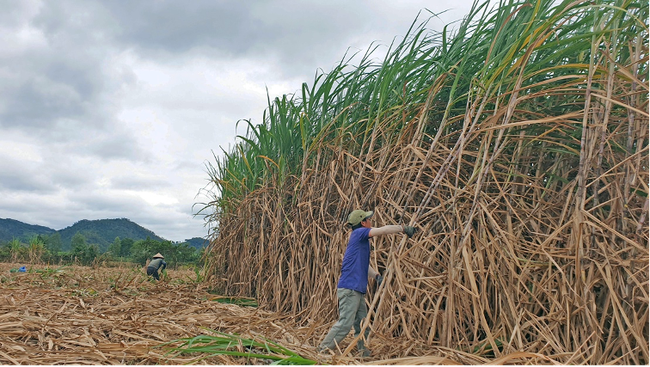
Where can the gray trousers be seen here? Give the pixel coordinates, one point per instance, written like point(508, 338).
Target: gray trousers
point(153, 272)
point(352, 311)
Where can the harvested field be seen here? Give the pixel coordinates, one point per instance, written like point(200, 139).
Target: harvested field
point(80, 315)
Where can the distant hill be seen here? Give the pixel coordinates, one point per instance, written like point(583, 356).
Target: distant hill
point(11, 228)
point(103, 232)
point(100, 232)
point(197, 242)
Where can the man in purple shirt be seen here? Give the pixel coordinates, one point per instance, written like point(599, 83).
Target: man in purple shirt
point(353, 282)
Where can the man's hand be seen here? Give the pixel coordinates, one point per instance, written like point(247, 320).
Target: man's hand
point(410, 231)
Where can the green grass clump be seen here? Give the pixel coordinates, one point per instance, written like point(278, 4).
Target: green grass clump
point(237, 346)
point(239, 301)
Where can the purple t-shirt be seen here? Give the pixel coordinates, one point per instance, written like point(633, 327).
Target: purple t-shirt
point(354, 271)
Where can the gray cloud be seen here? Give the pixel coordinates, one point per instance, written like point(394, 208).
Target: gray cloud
point(136, 180)
point(33, 208)
point(69, 176)
point(22, 180)
point(72, 143)
point(56, 70)
point(118, 146)
point(46, 85)
point(291, 35)
point(177, 27)
point(14, 12)
point(104, 203)
point(111, 109)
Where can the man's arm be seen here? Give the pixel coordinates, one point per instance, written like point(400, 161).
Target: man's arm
point(389, 229)
point(373, 274)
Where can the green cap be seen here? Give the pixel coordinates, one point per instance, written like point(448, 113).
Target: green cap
point(358, 215)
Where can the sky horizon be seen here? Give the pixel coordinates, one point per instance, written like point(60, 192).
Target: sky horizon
point(110, 111)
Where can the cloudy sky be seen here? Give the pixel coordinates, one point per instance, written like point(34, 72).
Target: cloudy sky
point(111, 109)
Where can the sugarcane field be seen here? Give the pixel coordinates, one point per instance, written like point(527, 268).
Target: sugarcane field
point(503, 164)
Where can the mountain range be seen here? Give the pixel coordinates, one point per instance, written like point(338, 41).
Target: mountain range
point(101, 232)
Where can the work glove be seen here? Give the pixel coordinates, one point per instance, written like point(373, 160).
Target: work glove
point(379, 279)
point(410, 231)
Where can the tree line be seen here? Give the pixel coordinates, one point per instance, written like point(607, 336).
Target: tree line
point(47, 249)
